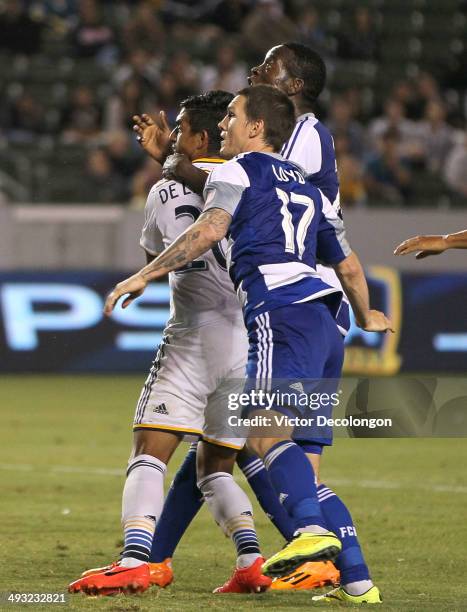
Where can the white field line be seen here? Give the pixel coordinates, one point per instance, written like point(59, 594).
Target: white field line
point(361, 484)
point(62, 469)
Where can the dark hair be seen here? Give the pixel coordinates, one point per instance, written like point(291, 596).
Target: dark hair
point(274, 108)
point(309, 66)
point(205, 112)
point(391, 133)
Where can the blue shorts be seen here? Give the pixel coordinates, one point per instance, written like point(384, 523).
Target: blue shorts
point(299, 347)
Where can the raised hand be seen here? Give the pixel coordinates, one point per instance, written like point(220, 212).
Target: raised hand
point(153, 134)
point(426, 245)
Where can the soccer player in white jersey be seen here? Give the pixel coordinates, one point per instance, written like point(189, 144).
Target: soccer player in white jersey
point(248, 130)
point(204, 343)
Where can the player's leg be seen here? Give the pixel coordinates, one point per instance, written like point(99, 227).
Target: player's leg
point(255, 472)
point(311, 574)
point(162, 418)
point(287, 343)
point(293, 479)
point(355, 581)
point(226, 500)
point(143, 494)
point(184, 500)
point(142, 502)
point(355, 576)
point(182, 503)
point(233, 512)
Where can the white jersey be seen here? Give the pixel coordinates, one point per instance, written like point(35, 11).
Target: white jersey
point(311, 146)
point(202, 291)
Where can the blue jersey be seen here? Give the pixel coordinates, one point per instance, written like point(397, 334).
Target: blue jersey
point(311, 146)
point(280, 224)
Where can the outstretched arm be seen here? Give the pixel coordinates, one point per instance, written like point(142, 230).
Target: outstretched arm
point(333, 249)
point(210, 227)
point(432, 245)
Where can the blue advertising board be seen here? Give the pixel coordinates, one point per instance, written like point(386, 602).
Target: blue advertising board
point(51, 322)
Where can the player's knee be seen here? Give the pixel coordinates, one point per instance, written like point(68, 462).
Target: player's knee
point(212, 458)
point(260, 446)
point(159, 444)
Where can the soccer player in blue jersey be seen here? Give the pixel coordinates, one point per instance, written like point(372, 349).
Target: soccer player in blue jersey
point(276, 223)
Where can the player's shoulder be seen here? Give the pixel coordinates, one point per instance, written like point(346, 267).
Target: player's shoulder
point(320, 131)
point(311, 144)
point(208, 164)
point(158, 187)
point(152, 196)
point(323, 132)
point(310, 127)
point(263, 167)
point(304, 140)
point(232, 171)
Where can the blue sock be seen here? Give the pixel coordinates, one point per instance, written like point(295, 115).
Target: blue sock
point(258, 479)
point(293, 479)
point(350, 561)
point(183, 502)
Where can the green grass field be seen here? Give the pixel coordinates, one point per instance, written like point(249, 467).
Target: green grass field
point(64, 444)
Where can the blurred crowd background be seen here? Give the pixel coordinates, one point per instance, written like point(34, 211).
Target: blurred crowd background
point(74, 72)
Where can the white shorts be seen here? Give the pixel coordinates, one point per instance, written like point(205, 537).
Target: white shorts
point(189, 382)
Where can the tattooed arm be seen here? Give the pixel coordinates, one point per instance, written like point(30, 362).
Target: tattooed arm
point(210, 227)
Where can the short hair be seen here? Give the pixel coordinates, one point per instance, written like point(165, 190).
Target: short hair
point(205, 112)
point(309, 66)
point(274, 108)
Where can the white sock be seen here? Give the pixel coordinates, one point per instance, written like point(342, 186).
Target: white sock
point(142, 503)
point(312, 529)
point(232, 510)
point(358, 588)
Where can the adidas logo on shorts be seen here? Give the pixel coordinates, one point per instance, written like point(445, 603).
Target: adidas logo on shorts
point(298, 386)
point(161, 409)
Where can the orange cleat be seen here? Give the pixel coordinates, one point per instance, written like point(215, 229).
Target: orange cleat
point(99, 570)
point(118, 579)
point(310, 575)
point(161, 574)
point(246, 580)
